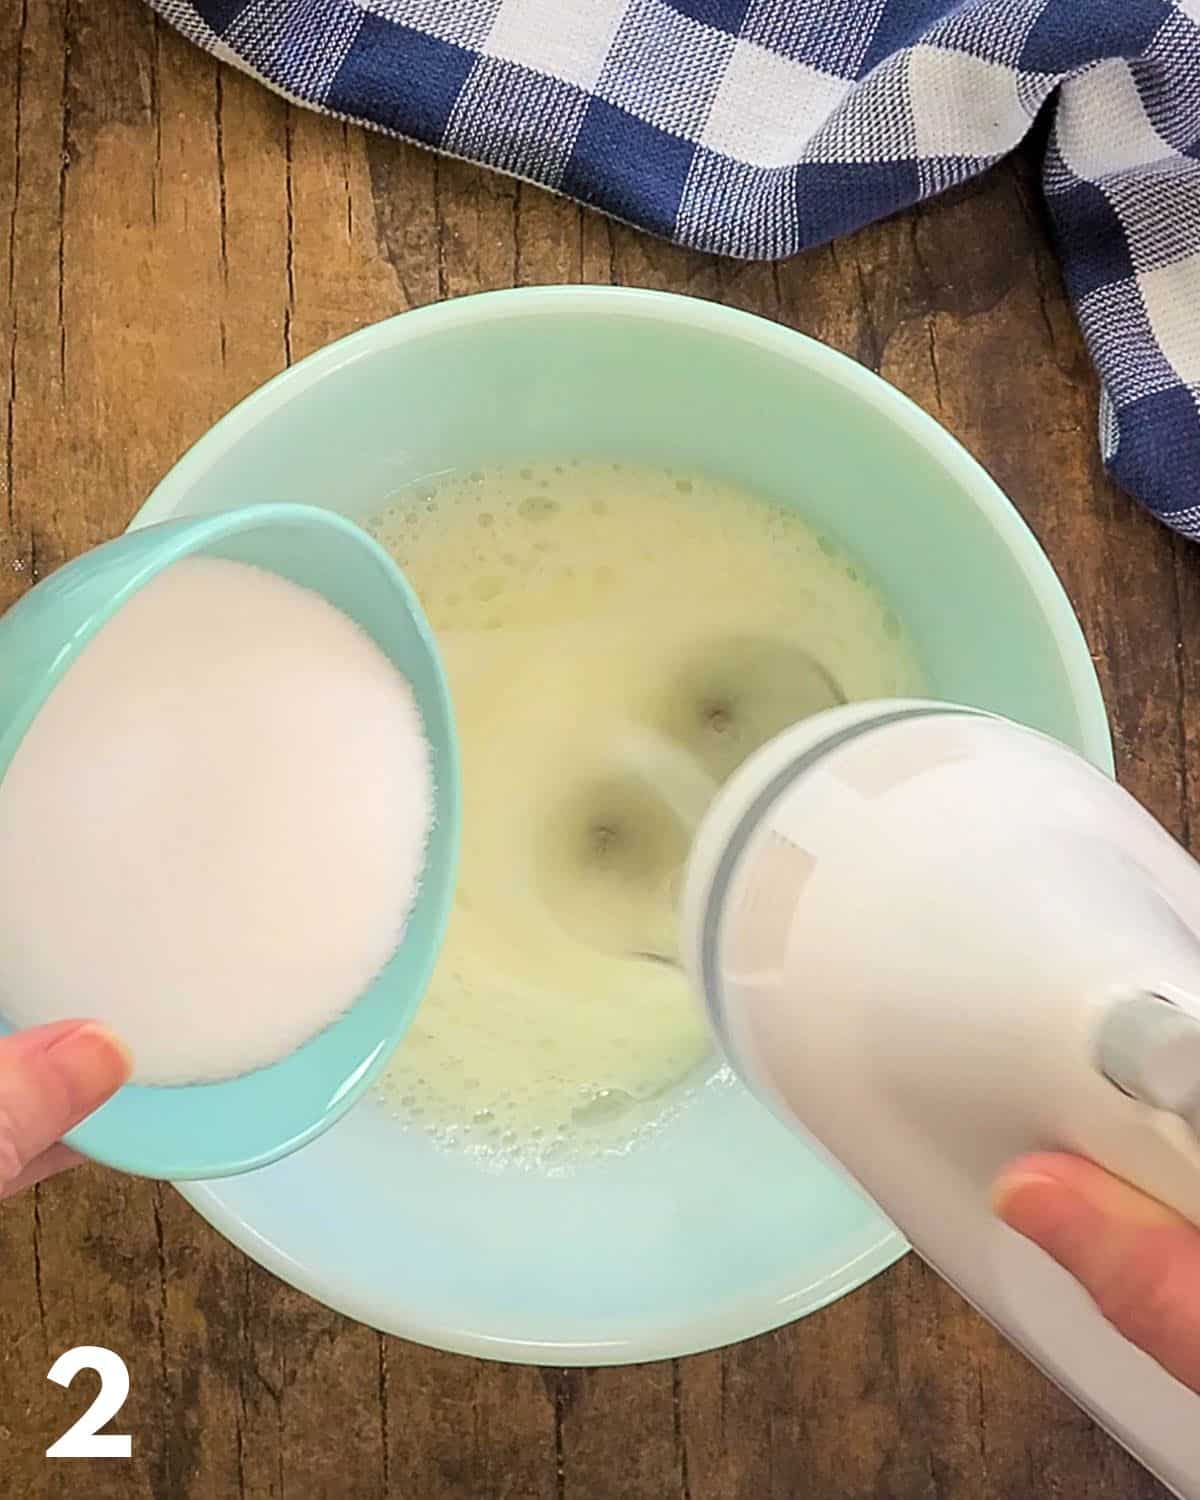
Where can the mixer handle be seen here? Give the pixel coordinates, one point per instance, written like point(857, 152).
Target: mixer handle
point(1148, 1046)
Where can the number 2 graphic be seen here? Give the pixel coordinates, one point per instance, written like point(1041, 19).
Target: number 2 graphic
point(82, 1439)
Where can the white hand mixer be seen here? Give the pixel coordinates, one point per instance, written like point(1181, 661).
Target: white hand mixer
point(935, 941)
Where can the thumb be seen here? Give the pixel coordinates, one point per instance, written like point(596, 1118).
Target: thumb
point(50, 1078)
point(1139, 1260)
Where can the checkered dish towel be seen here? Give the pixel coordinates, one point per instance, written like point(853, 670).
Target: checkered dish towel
point(756, 128)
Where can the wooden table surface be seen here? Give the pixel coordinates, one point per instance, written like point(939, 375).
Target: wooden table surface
point(170, 236)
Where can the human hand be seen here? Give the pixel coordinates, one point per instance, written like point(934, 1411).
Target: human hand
point(50, 1078)
point(1139, 1260)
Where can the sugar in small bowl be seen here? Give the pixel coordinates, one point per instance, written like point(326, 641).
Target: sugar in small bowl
point(228, 826)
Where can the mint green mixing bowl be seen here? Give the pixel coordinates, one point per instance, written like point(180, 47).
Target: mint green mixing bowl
point(211, 1129)
point(724, 1224)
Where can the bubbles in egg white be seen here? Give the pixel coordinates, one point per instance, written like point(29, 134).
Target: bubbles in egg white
point(585, 612)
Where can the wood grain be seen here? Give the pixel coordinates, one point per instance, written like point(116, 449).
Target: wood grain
point(170, 236)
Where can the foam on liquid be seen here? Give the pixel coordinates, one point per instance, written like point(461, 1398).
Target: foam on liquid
point(214, 830)
point(617, 641)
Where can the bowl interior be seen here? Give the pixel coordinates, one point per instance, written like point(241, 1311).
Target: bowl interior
point(726, 1223)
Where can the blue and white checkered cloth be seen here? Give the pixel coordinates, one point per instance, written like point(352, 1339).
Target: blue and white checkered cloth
point(756, 128)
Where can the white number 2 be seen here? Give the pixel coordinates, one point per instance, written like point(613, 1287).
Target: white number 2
point(82, 1439)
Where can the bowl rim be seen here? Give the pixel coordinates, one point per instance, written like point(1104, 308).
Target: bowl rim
point(746, 1318)
point(675, 308)
point(757, 1314)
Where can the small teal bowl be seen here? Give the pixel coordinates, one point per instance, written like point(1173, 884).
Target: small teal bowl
point(218, 1129)
point(725, 1223)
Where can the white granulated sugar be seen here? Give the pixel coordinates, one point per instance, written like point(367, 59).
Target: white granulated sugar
point(213, 833)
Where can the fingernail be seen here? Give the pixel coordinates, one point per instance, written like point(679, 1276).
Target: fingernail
point(1110, 1196)
point(1008, 1187)
point(92, 1063)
